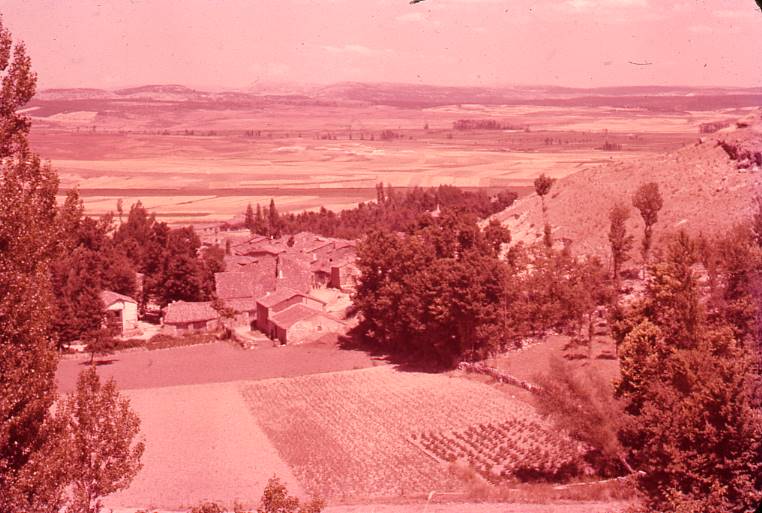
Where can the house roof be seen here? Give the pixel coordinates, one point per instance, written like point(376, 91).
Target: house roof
point(280, 294)
point(253, 282)
point(293, 314)
point(181, 312)
point(235, 262)
point(109, 298)
point(242, 305)
point(283, 294)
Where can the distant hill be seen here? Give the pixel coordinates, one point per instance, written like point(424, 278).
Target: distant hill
point(655, 98)
point(707, 187)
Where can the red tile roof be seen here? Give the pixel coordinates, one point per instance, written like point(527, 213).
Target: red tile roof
point(109, 298)
point(293, 314)
point(230, 285)
point(181, 312)
point(242, 305)
point(280, 295)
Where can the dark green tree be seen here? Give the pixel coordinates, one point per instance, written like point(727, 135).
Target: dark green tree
point(104, 450)
point(275, 499)
point(692, 429)
point(496, 235)
point(273, 220)
point(649, 202)
point(30, 477)
point(542, 186)
point(248, 217)
point(619, 240)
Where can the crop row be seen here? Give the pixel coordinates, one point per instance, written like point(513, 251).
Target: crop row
point(519, 448)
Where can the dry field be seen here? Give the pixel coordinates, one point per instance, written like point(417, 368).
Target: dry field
point(219, 421)
point(217, 362)
point(211, 175)
point(201, 444)
point(368, 434)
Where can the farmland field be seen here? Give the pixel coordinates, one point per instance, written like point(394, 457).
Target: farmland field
point(219, 421)
point(364, 433)
point(198, 163)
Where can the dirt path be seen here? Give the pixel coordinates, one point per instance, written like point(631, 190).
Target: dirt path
point(464, 507)
point(213, 363)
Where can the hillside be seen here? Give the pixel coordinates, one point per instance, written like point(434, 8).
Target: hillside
point(707, 187)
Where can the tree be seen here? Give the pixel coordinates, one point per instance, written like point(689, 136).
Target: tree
point(757, 221)
point(275, 499)
point(589, 289)
point(79, 311)
point(648, 201)
point(28, 432)
point(248, 217)
point(273, 220)
point(542, 186)
point(692, 429)
point(260, 227)
point(496, 235)
point(584, 406)
point(104, 450)
point(212, 262)
point(181, 275)
point(621, 242)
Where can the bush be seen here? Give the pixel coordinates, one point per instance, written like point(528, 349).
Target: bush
point(207, 507)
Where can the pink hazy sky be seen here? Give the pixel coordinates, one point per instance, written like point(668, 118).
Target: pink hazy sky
point(240, 43)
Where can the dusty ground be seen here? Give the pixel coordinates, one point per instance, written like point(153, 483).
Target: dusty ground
point(213, 363)
point(465, 507)
point(201, 444)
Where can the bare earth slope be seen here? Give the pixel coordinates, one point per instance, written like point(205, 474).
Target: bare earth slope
point(704, 190)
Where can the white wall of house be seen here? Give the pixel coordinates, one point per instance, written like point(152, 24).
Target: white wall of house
point(129, 315)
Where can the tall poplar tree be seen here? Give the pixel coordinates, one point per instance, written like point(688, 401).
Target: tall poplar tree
point(27, 244)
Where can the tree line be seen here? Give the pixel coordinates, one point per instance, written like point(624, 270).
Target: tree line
point(393, 210)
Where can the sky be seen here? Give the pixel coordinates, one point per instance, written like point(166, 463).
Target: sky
point(250, 43)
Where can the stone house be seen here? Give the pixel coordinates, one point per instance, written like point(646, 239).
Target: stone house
point(300, 323)
point(279, 300)
point(183, 317)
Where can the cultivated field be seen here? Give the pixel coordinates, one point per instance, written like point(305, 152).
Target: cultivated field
point(218, 421)
point(199, 160)
point(380, 433)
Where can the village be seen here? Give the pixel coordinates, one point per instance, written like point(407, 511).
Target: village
point(293, 289)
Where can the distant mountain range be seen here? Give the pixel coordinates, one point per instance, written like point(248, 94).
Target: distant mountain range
point(421, 96)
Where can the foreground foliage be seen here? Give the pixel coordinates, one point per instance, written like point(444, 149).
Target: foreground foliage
point(38, 470)
point(692, 429)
